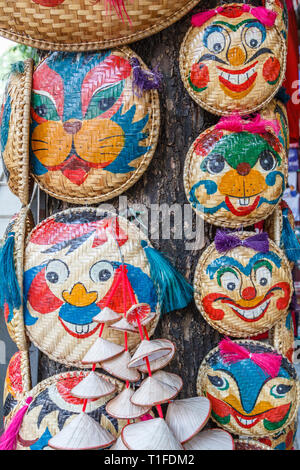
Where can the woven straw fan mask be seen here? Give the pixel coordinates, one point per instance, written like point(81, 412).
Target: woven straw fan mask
point(253, 390)
point(235, 171)
point(233, 58)
point(243, 289)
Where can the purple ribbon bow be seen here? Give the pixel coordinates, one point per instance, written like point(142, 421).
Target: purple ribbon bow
point(225, 241)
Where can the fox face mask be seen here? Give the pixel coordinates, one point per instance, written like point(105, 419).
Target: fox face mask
point(91, 135)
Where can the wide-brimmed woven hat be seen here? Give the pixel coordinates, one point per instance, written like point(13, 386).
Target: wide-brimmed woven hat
point(81, 25)
point(88, 123)
point(243, 284)
point(233, 58)
point(254, 391)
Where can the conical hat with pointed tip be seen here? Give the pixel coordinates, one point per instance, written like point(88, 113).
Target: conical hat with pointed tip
point(161, 362)
point(102, 350)
point(153, 392)
point(123, 325)
point(121, 407)
point(153, 434)
point(187, 417)
point(153, 349)
point(118, 445)
point(211, 439)
point(82, 433)
point(93, 386)
point(138, 311)
point(107, 315)
point(169, 378)
point(118, 366)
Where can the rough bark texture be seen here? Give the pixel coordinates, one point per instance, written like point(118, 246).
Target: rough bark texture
point(181, 122)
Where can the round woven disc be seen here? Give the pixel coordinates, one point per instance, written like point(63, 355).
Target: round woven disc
point(53, 406)
point(74, 25)
point(14, 126)
point(243, 292)
point(233, 63)
point(282, 337)
point(277, 110)
point(245, 399)
point(91, 136)
point(73, 263)
point(235, 178)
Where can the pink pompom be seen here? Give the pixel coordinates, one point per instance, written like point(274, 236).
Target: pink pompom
point(256, 125)
point(8, 440)
point(200, 18)
point(265, 16)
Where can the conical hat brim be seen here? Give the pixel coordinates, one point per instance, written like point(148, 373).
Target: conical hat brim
point(150, 435)
point(102, 350)
point(211, 439)
point(121, 407)
point(161, 362)
point(153, 349)
point(93, 386)
point(118, 366)
point(107, 316)
point(153, 392)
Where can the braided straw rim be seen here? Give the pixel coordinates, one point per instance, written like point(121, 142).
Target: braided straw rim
point(202, 372)
point(19, 88)
point(215, 109)
point(198, 282)
point(139, 236)
point(251, 442)
point(105, 42)
point(218, 220)
point(279, 339)
point(154, 118)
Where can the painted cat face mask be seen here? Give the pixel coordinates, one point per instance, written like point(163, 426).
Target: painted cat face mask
point(253, 390)
point(233, 59)
point(243, 284)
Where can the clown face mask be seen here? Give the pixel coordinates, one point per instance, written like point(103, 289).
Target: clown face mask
point(242, 292)
point(245, 398)
point(91, 136)
point(53, 407)
point(235, 178)
point(73, 263)
point(232, 62)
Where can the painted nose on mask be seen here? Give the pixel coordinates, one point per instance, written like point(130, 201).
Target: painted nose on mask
point(79, 296)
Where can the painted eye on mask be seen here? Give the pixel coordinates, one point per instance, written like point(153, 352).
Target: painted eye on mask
point(279, 391)
point(229, 281)
point(219, 382)
point(104, 99)
point(44, 107)
point(214, 164)
point(267, 160)
point(214, 39)
point(57, 271)
point(255, 36)
point(101, 271)
point(263, 276)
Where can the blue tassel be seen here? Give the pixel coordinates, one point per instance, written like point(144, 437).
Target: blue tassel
point(9, 288)
point(288, 239)
point(18, 67)
point(174, 292)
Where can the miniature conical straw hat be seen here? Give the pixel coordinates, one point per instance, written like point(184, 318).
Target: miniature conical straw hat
point(161, 362)
point(107, 315)
point(153, 349)
point(153, 434)
point(102, 350)
point(212, 439)
point(121, 407)
point(118, 366)
point(187, 417)
point(119, 445)
point(123, 325)
point(82, 433)
point(169, 378)
point(138, 311)
point(148, 319)
point(93, 386)
point(153, 392)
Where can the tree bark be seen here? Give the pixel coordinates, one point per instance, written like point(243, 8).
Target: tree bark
point(182, 121)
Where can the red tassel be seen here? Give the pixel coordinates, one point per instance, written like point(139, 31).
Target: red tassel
point(232, 352)
point(8, 440)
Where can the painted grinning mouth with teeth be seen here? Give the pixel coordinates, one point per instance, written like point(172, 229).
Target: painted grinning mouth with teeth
point(238, 80)
point(78, 330)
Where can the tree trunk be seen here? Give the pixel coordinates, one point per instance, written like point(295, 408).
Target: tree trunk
point(182, 120)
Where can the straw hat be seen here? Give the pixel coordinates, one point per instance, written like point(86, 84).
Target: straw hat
point(187, 417)
point(153, 392)
point(118, 445)
point(84, 122)
point(235, 172)
point(161, 362)
point(118, 366)
point(153, 434)
point(253, 390)
point(74, 25)
point(153, 350)
point(102, 350)
point(121, 406)
point(93, 386)
point(211, 439)
point(233, 70)
point(245, 290)
point(61, 322)
point(107, 315)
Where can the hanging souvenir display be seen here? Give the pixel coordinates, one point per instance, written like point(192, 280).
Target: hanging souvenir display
point(253, 390)
point(81, 25)
point(11, 275)
point(94, 124)
point(92, 267)
point(14, 129)
point(235, 172)
point(233, 58)
point(243, 284)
